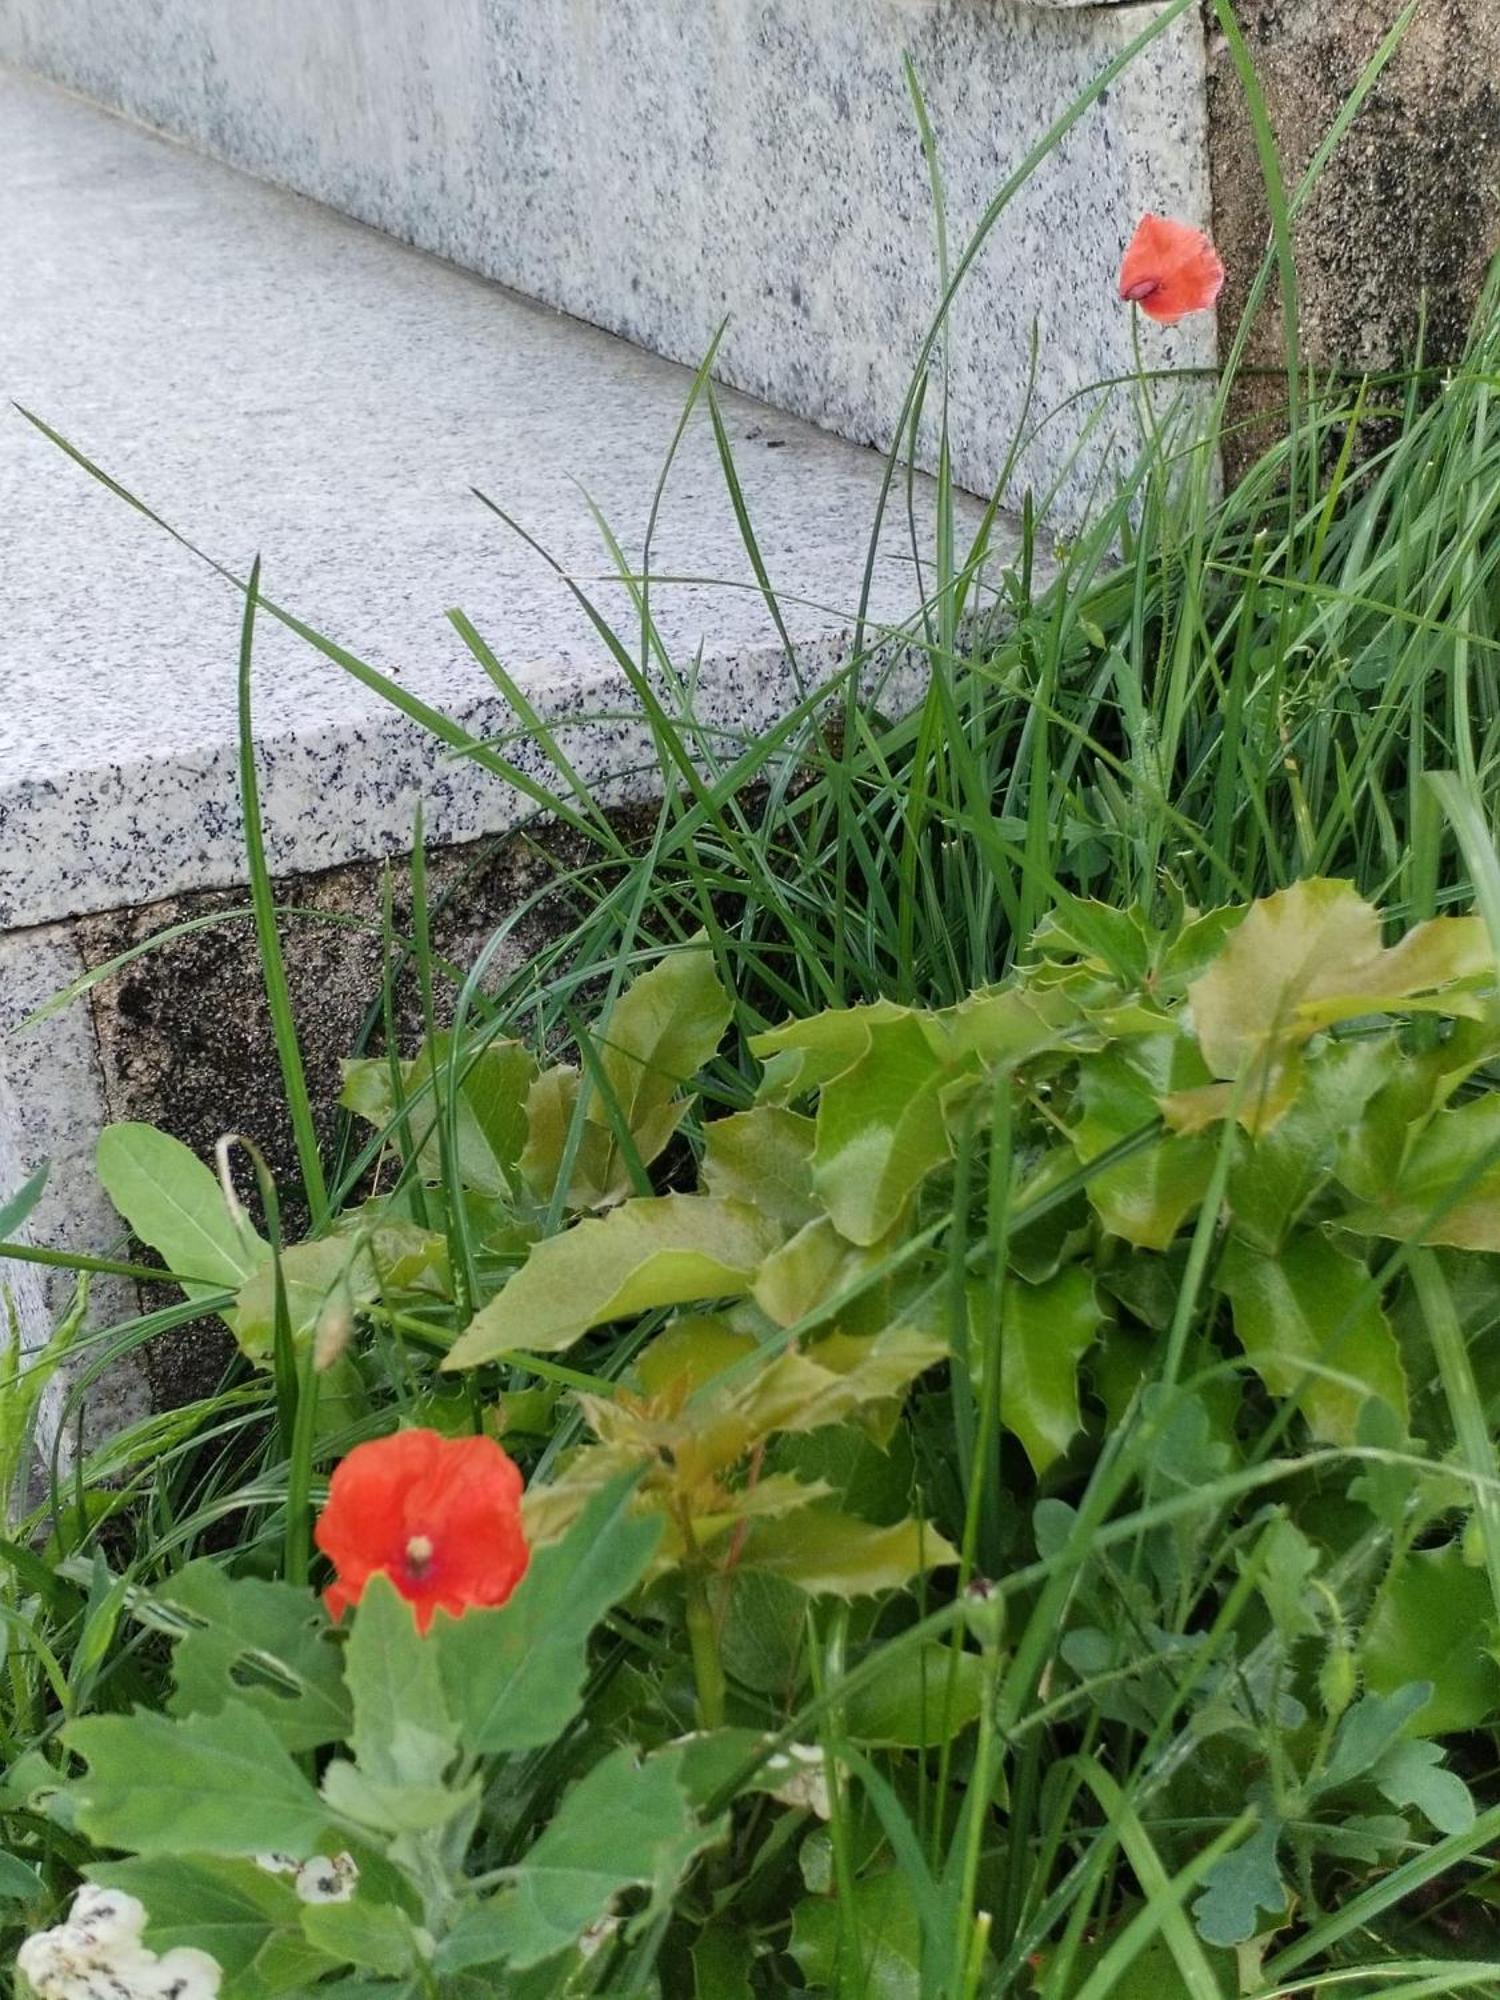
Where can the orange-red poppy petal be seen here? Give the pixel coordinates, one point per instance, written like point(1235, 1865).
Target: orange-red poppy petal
point(440, 1516)
point(1170, 270)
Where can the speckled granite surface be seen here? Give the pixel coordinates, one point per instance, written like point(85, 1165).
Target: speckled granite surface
point(51, 1108)
point(655, 165)
point(273, 377)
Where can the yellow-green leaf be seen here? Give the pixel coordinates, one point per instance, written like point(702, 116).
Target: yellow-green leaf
point(1310, 956)
point(881, 1130)
point(1311, 1322)
point(826, 1553)
point(1147, 1197)
point(664, 1250)
point(764, 1156)
point(1446, 1188)
point(1046, 1330)
point(489, 1115)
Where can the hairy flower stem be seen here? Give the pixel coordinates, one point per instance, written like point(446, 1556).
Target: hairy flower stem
point(702, 1627)
point(703, 1637)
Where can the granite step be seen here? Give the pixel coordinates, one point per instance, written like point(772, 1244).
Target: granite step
point(276, 379)
point(656, 165)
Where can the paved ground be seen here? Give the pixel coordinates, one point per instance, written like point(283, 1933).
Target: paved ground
point(273, 378)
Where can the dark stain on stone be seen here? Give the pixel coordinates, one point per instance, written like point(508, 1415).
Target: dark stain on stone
point(1409, 205)
point(185, 1039)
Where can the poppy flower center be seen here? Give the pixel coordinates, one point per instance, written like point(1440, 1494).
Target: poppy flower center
point(419, 1555)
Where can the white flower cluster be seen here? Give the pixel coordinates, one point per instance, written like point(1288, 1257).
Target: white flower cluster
point(320, 1880)
point(97, 1954)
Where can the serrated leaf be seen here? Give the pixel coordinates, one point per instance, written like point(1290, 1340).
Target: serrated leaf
point(1421, 1202)
point(663, 1028)
point(880, 1922)
point(1433, 1622)
point(205, 1784)
point(1275, 1176)
point(1313, 1308)
point(1305, 958)
point(1239, 1886)
point(812, 1267)
point(489, 1114)
point(623, 1826)
point(267, 1646)
point(1369, 1730)
point(763, 1156)
point(924, 1697)
point(1146, 1198)
point(175, 1204)
point(801, 1056)
point(514, 1677)
point(661, 1031)
point(796, 1391)
point(1046, 1330)
point(1412, 1775)
point(881, 1129)
point(826, 1553)
point(686, 1355)
point(664, 1250)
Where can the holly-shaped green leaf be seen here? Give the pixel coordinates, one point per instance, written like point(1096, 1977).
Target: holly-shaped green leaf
point(661, 1031)
point(487, 1086)
point(1046, 1330)
point(1306, 958)
point(881, 1129)
point(659, 1251)
point(826, 1553)
point(763, 1156)
point(1311, 1322)
point(1445, 1185)
point(1147, 1197)
point(1433, 1622)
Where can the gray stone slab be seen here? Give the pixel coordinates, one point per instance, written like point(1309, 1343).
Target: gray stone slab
point(275, 378)
point(656, 165)
point(52, 1105)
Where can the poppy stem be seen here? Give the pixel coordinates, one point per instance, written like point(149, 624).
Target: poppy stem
point(703, 1629)
point(703, 1638)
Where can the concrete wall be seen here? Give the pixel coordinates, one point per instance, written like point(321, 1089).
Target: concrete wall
point(656, 165)
point(1410, 203)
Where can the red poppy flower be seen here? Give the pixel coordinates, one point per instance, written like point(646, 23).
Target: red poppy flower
point(1170, 270)
point(441, 1517)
